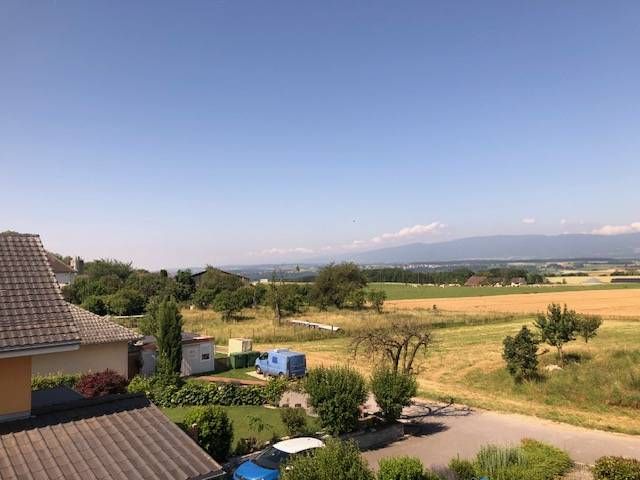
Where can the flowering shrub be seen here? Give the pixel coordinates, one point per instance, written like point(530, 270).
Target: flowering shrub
point(98, 384)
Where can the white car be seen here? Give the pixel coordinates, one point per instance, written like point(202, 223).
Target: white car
point(266, 466)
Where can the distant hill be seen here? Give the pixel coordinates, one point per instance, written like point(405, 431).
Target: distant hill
point(506, 247)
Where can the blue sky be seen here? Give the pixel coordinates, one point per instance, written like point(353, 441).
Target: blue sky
point(185, 133)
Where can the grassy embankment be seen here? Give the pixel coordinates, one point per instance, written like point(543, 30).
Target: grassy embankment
point(600, 388)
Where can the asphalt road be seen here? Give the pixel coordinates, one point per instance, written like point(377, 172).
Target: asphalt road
point(439, 433)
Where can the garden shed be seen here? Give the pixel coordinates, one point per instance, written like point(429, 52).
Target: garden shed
point(197, 354)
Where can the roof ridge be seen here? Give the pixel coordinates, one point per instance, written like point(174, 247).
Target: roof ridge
point(11, 233)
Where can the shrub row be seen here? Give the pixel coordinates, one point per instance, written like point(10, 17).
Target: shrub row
point(532, 460)
point(617, 468)
point(195, 392)
point(43, 382)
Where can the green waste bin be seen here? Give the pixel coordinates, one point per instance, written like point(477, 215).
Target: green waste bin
point(251, 358)
point(238, 360)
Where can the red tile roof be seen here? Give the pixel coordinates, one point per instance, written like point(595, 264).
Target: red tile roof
point(96, 329)
point(117, 437)
point(32, 311)
point(57, 265)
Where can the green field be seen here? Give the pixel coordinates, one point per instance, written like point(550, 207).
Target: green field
point(599, 388)
point(401, 291)
point(241, 426)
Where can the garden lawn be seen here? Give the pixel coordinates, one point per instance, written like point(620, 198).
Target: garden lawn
point(237, 373)
point(240, 416)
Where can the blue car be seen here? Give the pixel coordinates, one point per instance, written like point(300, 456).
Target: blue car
point(282, 362)
point(266, 466)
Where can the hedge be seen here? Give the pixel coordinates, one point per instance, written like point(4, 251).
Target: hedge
point(42, 382)
point(195, 392)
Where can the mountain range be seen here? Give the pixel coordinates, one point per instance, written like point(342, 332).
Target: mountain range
point(505, 247)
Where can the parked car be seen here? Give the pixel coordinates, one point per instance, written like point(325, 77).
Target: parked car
point(266, 466)
point(282, 363)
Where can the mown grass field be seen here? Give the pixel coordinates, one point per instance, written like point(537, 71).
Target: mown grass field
point(240, 416)
point(600, 388)
point(258, 323)
point(401, 291)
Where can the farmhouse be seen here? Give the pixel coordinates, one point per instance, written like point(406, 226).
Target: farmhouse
point(55, 434)
point(65, 274)
point(476, 281)
point(625, 280)
point(518, 281)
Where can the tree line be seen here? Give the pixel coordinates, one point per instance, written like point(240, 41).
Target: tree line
point(456, 276)
point(116, 288)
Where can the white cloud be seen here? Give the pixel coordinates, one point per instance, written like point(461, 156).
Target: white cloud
point(617, 229)
point(283, 251)
point(529, 220)
point(563, 221)
point(409, 232)
point(404, 233)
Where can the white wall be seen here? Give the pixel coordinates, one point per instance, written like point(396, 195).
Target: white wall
point(196, 358)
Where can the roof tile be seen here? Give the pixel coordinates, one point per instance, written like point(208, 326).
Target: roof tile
point(52, 443)
point(32, 310)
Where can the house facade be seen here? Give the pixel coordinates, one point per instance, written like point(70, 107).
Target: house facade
point(65, 274)
point(103, 345)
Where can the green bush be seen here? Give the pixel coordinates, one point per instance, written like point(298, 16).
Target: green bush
point(274, 390)
point(544, 462)
point(140, 384)
point(401, 468)
point(616, 468)
point(520, 354)
point(393, 391)
point(337, 461)
point(463, 469)
point(532, 460)
point(336, 394)
point(294, 420)
point(213, 430)
point(246, 446)
point(43, 382)
point(500, 463)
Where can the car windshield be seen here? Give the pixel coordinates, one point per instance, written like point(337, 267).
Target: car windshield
point(271, 458)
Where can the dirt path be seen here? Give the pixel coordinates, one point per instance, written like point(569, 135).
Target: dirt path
point(620, 303)
point(443, 432)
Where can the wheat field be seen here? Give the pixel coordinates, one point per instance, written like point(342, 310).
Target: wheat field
point(608, 303)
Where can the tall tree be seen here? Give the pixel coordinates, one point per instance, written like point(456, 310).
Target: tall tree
point(185, 285)
point(335, 284)
point(399, 343)
point(588, 326)
point(557, 327)
point(169, 337)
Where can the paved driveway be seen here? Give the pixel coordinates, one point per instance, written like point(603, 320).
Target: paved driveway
point(441, 432)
